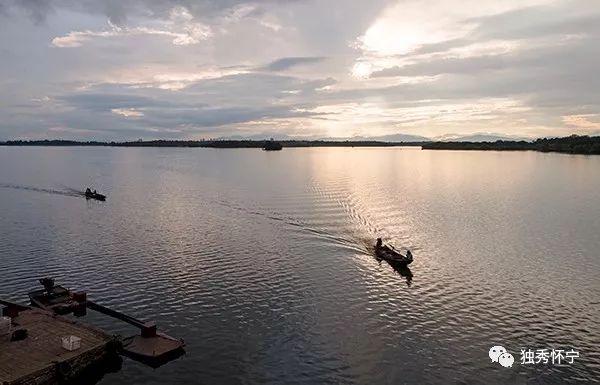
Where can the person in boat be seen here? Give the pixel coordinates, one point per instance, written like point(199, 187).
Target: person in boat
point(409, 255)
point(379, 246)
point(88, 191)
point(95, 193)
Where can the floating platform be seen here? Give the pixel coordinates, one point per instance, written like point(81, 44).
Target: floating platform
point(41, 359)
point(34, 352)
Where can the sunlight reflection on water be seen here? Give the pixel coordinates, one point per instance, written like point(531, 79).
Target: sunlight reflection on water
point(261, 262)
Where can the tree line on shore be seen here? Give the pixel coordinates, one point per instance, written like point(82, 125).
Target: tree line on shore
point(574, 144)
point(217, 143)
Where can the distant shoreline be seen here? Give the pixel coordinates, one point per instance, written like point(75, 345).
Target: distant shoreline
point(573, 144)
point(211, 143)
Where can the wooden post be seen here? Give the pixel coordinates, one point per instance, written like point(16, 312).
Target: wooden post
point(149, 330)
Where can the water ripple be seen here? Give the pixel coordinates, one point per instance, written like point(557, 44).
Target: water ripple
point(264, 265)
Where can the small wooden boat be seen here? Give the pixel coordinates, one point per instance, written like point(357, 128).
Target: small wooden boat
point(54, 298)
point(95, 195)
point(391, 255)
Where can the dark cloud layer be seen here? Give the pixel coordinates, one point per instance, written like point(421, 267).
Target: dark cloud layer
point(119, 10)
point(289, 62)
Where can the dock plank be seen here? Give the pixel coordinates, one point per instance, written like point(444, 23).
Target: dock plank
point(34, 360)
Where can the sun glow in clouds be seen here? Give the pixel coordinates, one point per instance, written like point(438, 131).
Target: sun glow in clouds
point(179, 80)
point(344, 117)
point(396, 36)
point(406, 26)
point(362, 70)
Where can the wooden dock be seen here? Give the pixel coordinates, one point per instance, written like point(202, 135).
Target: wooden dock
point(40, 359)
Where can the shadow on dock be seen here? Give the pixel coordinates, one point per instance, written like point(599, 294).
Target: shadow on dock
point(96, 371)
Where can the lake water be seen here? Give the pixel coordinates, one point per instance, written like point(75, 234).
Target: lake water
point(261, 261)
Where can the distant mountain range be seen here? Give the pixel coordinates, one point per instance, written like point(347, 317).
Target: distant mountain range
point(477, 137)
point(255, 140)
point(384, 138)
point(260, 136)
point(284, 137)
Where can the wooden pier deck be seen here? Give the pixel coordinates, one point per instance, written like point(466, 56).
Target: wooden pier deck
point(40, 359)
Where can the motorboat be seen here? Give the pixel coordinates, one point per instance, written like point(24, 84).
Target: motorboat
point(89, 194)
point(390, 254)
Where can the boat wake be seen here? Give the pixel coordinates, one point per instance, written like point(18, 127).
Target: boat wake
point(362, 228)
point(66, 192)
point(346, 242)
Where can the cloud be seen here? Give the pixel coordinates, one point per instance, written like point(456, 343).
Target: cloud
point(35, 9)
point(127, 112)
point(118, 12)
point(180, 26)
point(202, 108)
point(109, 102)
point(192, 35)
point(177, 68)
point(586, 121)
point(289, 62)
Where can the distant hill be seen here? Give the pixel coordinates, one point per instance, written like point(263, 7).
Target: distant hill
point(394, 138)
point(259, 136)
point(479, 137)
point(384, 138)
point(284, 137)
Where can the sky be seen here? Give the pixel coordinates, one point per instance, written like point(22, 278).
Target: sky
point(183, 69)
